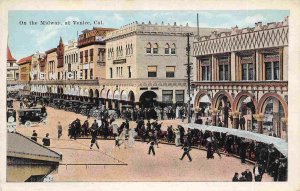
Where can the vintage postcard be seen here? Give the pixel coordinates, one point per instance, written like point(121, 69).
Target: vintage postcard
point(135, 95)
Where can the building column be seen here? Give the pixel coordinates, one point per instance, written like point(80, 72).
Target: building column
point(232, 66)
point(235, 123)
point(214, 113)
point(284, 129)
point(259, 118)
point(276, 118)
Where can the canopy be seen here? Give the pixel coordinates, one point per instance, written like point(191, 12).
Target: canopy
point(279, 144)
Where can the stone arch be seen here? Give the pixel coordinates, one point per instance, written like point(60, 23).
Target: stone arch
point(238, 98)
point(264, 98)
point(110, 94)
point(218, 95)
point(131, 96)
point(91, 93)
point(117, 95)
point(96, 93)
point(198, 96)
point(103, 94)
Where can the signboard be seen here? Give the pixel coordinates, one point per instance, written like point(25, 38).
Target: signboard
point(120, 61)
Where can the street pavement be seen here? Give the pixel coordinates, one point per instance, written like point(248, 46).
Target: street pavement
point(80, 163)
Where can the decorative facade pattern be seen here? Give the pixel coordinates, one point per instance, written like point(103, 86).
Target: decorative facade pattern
point(261, 36)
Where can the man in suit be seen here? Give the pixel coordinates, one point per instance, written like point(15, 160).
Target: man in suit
point(151, 147)
point(186, 150)
point(94, 132)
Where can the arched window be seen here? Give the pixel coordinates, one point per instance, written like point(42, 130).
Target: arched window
point(173, 49)
point(131, 49)
point(155, 48)
point(167, 49)
point(126, 49)
point(121, 50)
point(148, 48)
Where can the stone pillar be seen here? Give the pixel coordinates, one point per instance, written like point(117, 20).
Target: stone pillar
point(232, 66)
point(284, 129)
point(214, 117)
point(259, 118)
point(276, 118)
point(235, 123)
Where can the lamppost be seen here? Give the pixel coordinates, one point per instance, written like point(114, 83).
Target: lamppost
point(188, 49)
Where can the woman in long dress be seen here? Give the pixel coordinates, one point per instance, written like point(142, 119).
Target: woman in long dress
point(132, 134)
point(177, 137)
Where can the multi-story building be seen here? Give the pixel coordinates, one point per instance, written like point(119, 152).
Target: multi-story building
point(71, 59)
point(91, 46)
point(25, 68)
point(51, 64)
point(60, 60)
point(12, 69)
point(146, 63)
point(244, 73)
point(37, 59)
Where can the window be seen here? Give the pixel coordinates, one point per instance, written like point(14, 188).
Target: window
point(131, 49)
point(152, 71)
point(11, 64)
point(81, 57)
point(85, 73)
point(167, 49)
point(69, 67)
point(91, 54)
point(129, 72)
point(148, 48)
point(224, 68)
point(76, 57)
point(91, 74)
point(272, 67)
point(126, 49)
point(86, 55)
point(205, 69)
point(167, 95)
point(170, 71)
point(155, 48)
point(247, 71)
point(179, 95)
point(111, 72)
point(173, 49)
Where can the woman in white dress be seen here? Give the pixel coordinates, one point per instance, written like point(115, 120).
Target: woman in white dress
point(131, 136)
point(177, 137)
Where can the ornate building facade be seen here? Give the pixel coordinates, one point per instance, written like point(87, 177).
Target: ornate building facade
point(244, 73)
point(25, 68)
point(12, 69)
point(71, 59)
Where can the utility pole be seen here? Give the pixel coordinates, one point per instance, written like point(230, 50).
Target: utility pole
point(188, 49)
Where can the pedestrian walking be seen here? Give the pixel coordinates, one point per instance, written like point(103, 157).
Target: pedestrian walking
point(59, 130)
point(186, 150)
point(94, 133)
point(151, 147)
point(46, 140)
point(34, 136)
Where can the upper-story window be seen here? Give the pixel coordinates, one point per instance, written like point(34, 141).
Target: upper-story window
point(173, 49)
point(205, 65)
point(127, 49)
point(224, 68)
point(91, 55)
point(148, 48)
point(152, 71)
point(131, 49)
point(247, 67)
point(81, 56)
point(272, 66)
point(155, 48)
point(86, 54)
point(170, 71)
point(167, 49)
